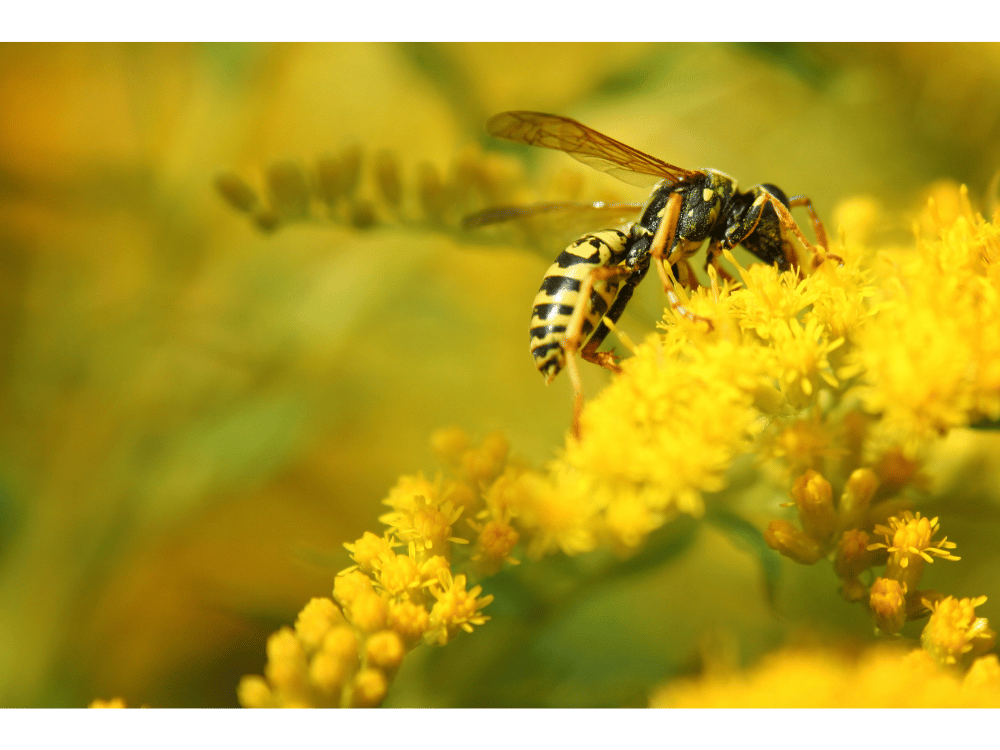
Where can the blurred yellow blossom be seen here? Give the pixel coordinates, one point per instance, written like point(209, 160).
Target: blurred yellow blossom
point(953, 634)
point(111, 703)
point(879, 678)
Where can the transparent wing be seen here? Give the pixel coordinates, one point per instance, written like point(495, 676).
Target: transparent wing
point(589, 215)
point(548, 227)
point(586, 145)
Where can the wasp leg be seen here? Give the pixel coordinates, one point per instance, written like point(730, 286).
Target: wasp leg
point(818, 228)
point(574, 332)
point(589, 352)
point(788, 223)
point(712, 259)
point(663, 239)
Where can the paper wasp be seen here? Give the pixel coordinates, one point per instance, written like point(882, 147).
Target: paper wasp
point(593, 279)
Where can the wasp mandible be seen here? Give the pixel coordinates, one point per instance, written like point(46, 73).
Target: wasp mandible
point(593, 279)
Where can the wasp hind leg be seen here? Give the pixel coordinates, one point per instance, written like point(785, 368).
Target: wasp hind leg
point(574, 332)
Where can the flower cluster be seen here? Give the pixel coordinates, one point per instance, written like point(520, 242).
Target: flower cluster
point(402, 590)
point(924, 362)
point(837, 382)
point(825, 678)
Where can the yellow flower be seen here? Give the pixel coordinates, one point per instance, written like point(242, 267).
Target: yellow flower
point(424, 519)
point(880, 678)
point(315, 620)
point(398, 574)
point(931, 355)
point(808, 376)
point(494, 543)
point(814, 497)
point(909, 541)
point(385, 650)
point(783, 537)
point(111, 703)
point(954, 635)
point(853, 556)
point(409, 620)
point(456, 609)
point(369, 549)
point(888, 604)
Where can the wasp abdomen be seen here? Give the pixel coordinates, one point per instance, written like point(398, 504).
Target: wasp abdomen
point(559, 296)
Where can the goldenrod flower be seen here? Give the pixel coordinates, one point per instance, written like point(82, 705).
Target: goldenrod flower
point(880, 678)
point(398, 574)
point(315, 620)
point(494, 543)
point(931, 360)
point(814, 497)
point(385, 650)
point(887, 602)
point(783, 537)
point(409, 620)
point(797, 372)
point(111, 703)
point(909, 541)
point(369, 550)
point(349, 585)
point(456, 609)
point(369, 688)
point(853, 556)
point(857, 496)
point(954, 635)
point(422, 515)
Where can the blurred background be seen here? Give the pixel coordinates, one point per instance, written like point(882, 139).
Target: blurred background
point(195, 414)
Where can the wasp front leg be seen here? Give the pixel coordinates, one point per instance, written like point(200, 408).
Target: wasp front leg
point(818, 229)
point(662, 240)
point(820, 253)
point(713, 258)
point(788, 224)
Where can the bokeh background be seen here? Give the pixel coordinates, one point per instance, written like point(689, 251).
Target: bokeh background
point(196, 414)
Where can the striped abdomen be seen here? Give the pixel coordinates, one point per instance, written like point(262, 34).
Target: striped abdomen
point(559, 296)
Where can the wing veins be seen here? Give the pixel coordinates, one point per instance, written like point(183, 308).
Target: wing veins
point(584, 144)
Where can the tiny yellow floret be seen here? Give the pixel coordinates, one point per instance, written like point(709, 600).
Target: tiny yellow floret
point(909, 541)
point(315, 621)
point(887, 602)
point(385, 650)
point(953, 634)
point(370, 687)
point(791, 542)
point(813, 496)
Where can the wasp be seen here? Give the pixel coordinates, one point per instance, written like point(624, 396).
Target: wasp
point(586, 289)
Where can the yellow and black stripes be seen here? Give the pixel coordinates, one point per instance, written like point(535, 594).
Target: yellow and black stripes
point(559, 294)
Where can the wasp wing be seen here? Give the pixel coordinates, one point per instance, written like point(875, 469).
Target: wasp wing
point(586, 145)
point(605, 214)
point(546, 226)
